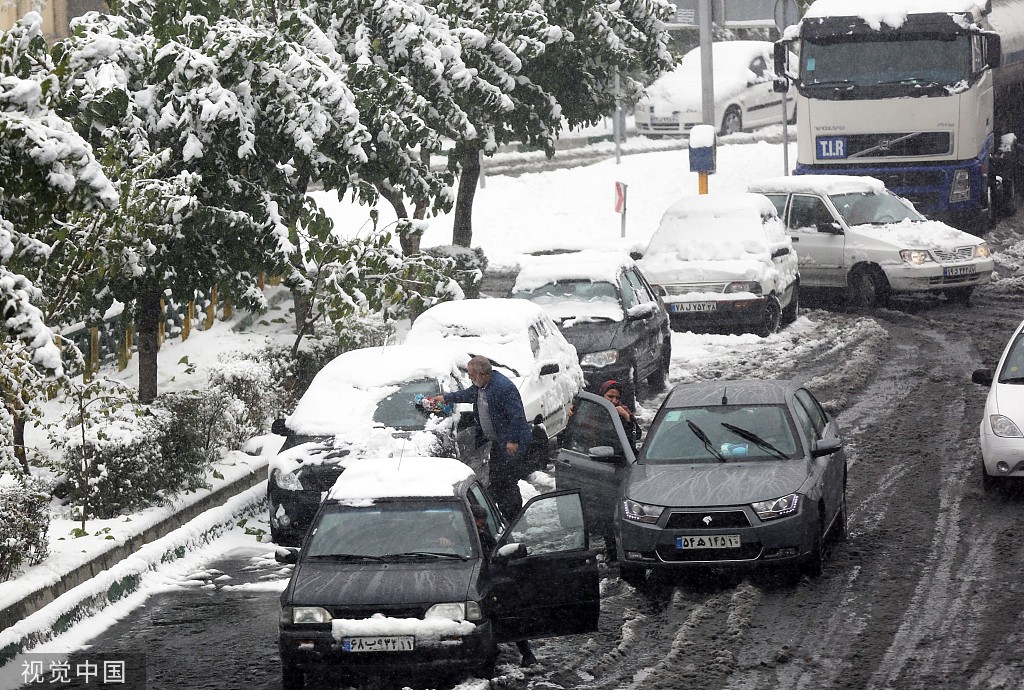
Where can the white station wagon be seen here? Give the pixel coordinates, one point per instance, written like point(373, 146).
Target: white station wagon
point(851, 232)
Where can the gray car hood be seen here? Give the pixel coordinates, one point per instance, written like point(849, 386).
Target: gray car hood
point(326, 583)
point(702, 485)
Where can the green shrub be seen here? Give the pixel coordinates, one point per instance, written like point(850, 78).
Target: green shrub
point(470, 264)
point(24, 522)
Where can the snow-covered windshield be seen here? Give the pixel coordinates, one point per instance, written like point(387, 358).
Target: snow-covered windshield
point(860, 68)
point(575, 298)
point(391, 530)
point(399, 410)
point(735, 433)
point(873, 209)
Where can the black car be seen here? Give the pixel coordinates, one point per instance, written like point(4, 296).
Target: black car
point(394, 578)
point(606, 308)
point(731, 474)
point(363, 403)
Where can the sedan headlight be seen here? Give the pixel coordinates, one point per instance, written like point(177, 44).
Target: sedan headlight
point(641, 512)
point(777, 507)
point(599, 359)
point(304, 614)
point(456, 611)
point(287, 481)
point(1004, 426)
point(743, 286)
point(982, 251)
point(915, 256)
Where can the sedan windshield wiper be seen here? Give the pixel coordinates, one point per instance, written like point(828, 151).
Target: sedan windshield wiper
point(1012, 379)
point(699, 433)
point(832, 84)
point(756, 440)
point(343, 557)
point(422, 554)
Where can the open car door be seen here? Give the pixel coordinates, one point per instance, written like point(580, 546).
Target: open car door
point(545, 574)
point(594, 458)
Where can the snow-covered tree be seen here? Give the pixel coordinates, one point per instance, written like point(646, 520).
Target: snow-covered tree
point(212, 123)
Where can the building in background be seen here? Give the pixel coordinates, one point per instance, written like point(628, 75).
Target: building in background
point(57, 14)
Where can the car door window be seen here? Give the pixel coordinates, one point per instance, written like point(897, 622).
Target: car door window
point(805, 422)
point(535, 338)
point(779, 201)
point(478, 496)
point(590, 427)
point(814, 410)
point(629, 298)
point(550, 524)
point(807, 212)
point(639, 289)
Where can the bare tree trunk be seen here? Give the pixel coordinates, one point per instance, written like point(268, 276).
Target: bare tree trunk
point(410, 242)
point(19, 440)
point(469, 162)
point(147, 315)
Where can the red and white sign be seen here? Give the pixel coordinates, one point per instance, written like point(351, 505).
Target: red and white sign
point(620, 197)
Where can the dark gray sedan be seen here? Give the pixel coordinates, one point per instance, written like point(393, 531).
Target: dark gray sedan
point(732, 473)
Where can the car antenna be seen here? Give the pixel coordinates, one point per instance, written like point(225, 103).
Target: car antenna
point(725, 396)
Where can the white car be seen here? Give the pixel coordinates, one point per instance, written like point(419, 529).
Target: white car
point(522, 342)
point(724, 260)
point(852, 233)
point(1002, 440)
point(744, 95)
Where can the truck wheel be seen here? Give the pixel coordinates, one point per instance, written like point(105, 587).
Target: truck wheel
point(771, 318)
point(1008, 197)
point(732, 121)
point(868, 288)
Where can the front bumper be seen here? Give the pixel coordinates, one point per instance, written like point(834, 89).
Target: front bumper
point(776, 542)
point(748, 312)
point(933, 276)
point(312, 648)
point(1003, 455)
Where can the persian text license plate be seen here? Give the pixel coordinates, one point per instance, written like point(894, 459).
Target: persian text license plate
point(711, 541)
point(694, 306)
point(385, 643)
point(959, 271)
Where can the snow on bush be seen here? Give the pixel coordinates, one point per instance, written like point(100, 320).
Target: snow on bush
point(24, 522)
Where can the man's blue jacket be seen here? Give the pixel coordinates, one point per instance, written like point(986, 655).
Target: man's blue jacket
point(506, 406)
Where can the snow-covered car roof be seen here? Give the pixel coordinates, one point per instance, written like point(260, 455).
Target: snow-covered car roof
point(890, 12)
point(731, 67)
point(495, 328)
point(818, 184)
point(344, 394)
point(369, 479)
point(584, 265)
point(710, 227)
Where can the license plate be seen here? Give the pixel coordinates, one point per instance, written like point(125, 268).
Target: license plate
point(664, 120)
point(711, 541)
point(694, 306)
point(389, 643)
point(959, 271)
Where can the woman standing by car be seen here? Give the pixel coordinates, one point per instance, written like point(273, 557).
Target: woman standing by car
point(612, 392)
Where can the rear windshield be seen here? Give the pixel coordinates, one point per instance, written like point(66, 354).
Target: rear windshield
point(391, 530)
point(735, 433)
point(399, 410)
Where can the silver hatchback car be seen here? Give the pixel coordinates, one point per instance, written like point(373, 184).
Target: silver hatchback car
point(732, 473)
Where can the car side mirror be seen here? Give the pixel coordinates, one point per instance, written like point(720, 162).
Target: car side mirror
point(279, 427)
point(994, 50)
point(509, 552)
point(826, 446)
point(780, 85)
point(780, 56)
point(830, 228)
point(603, 454)
point(640, 311)
point(982, 376)
point(466, 419)
point(549, 368)
point(781, 251)
point(288, 555)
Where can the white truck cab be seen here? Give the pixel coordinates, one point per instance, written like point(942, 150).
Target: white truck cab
point(851, 232)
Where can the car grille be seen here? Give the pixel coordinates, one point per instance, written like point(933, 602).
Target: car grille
point(902, 144)
point(958, 254)
point(719, 520)
point(952, 280)
point(747, 552)
point(352, 613)
point(684, 288)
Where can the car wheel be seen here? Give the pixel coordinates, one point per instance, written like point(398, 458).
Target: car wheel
point(771, 319)
point(959, 295)
point(814, 564)
point(732, 121)
point(868, 288)
point(633, 575)
point(988, 482)
point(292, 677)
point(539, 453)
point(789, 314)
point(658, 381)
point(486, 668)
point(841, 527)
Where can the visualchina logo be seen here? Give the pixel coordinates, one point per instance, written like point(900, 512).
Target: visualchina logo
point(707, 520)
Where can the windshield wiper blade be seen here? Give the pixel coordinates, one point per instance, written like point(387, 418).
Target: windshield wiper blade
point(756, 440)
point(421, 554)
point(832, 84)
point(496, 363)
point(344, 557)
point(1012, 379)
point(699, 433)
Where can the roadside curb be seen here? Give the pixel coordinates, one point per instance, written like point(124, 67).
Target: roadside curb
point(114, 574)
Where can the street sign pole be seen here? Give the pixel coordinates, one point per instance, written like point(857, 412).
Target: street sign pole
point(707, 80)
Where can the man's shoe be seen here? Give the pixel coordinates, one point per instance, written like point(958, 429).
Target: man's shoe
point(528, 659)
